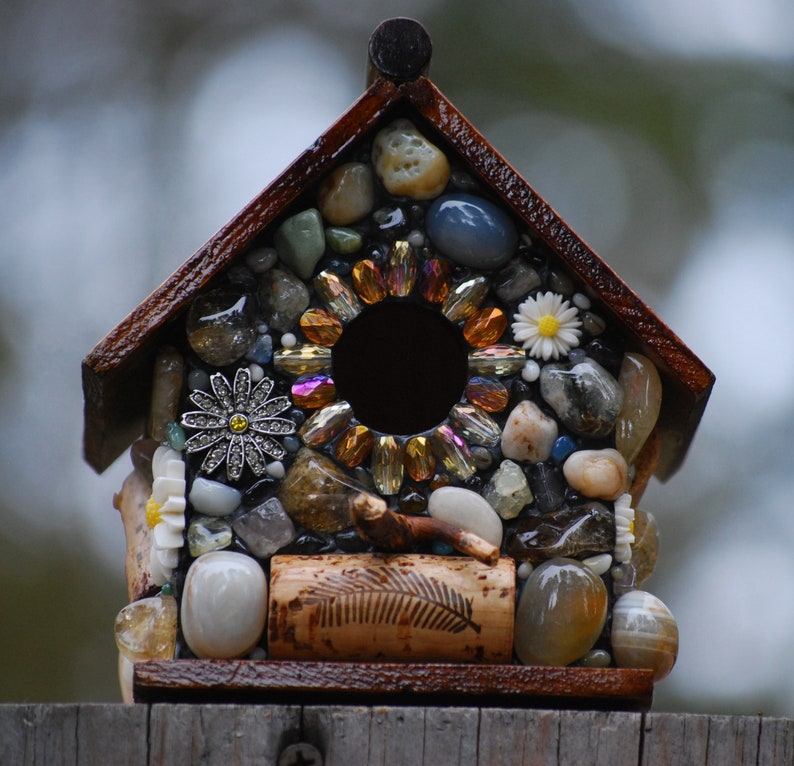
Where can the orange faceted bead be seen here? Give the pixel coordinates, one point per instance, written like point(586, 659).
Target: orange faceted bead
point(368, 282)
point(485, 327)
point(320, 327)
point(487, 393)
point(354, 446)
point(420, 462)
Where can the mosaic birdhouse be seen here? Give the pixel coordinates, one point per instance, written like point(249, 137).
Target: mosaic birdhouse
point(389, 431)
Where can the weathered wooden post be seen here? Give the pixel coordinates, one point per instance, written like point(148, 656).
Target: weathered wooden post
point(391, 394)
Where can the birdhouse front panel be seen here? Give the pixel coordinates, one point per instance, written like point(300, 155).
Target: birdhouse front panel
point(397, 413)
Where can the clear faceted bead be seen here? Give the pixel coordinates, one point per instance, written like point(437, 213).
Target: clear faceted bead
point(326, 423)
point(337, 296)
point(453, 452)
point(464, 299)
point(420, 462)
point(497, 360)
point(474, 425)
point(300, 360)
point(368, 282)
point(387, 465)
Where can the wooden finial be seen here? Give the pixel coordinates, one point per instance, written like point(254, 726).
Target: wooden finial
point(399, 50)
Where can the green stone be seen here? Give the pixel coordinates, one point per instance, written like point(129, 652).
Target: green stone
point(300, 242)
point(208, 533)
point(343, 241)
point(175, 436)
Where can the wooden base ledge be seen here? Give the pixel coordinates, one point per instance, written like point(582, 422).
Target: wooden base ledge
point(285, 682)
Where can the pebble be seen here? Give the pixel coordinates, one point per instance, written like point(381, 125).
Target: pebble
point(146, 629)
point(600, 563)
point(529, 434)
point(224, 605)
point(300, 241)
point(524, 570)
point(645, 548)
point(567, 532)
point(471, 231)
point(347, 194)
point(261, 352)
point(257, 372)
point(507, 491)
point(597, 473)
point(283, 298)
point(207, 533)
point(483, 459)
point(407, 163)
point(561, 613)
point(548, 486)
point(563, 447)
point(198, 380)
point(468, 510)
point(288, 340)
point(265, 528)
point(343, 241)
point(642, 400)
point(586, 398)
point(596, 658)
point(166, 390)
point(315, 493)
point(262, 259)
point(221, 326)
point(515, 281)
point(644, 634)
point(276, 469)
point(213, 498)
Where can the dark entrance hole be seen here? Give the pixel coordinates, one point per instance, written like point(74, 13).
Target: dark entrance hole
point(401, 366)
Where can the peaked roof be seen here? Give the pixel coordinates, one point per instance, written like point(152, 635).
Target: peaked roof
point(117, 373)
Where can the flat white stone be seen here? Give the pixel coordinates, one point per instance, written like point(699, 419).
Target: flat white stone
point(529, 434)
point(213, 498)
point(224, 605)
point(467, 510)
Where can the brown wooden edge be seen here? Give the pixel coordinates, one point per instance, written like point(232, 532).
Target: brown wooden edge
point(286, 682)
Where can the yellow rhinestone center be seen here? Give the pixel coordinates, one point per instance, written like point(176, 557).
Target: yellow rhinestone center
point(548, 326)
point(153, 515)
point(238, 423)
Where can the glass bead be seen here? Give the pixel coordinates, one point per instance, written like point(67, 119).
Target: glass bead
point(453, 452)
point(487, 393)
point(313, 391)
point(368, 282)
point(464, 299)
point(485, 327)
point(403, 269)
point(320, 327)
point(420, 462)
point(354, 446)
point(337, 296)
point(497, 360)
point(326, 423)
point(387, 465)
point(435, 280)
point(474, 425)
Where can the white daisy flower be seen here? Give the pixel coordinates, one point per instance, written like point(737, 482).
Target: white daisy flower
point(547, 326)
point(624, 528)
point(165, 513)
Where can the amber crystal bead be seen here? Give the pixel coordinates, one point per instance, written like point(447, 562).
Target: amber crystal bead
point(420, 462)
point(387, 465)
point(320, 327)
point(337, 296)
point(484, 327)
point(313, 391)
point(403, 270)
point(326, 423)
point(488, 394)
point(435, 280)
point(300, 360)
point(497, 360)
point(368, 281)
point(354, 446)
point(464, 299)
point(453, 452)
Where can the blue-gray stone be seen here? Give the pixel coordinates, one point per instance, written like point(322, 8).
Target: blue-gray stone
point(471, 231)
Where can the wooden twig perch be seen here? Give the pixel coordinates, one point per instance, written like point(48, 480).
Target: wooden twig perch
point(395, 532)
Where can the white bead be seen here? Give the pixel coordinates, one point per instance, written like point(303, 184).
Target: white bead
point(276, 469)
point(531, 371)
point(288, 340)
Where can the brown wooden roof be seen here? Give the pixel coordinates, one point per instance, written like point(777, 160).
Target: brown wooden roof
point(117, 373)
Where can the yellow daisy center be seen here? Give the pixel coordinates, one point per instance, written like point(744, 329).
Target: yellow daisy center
point(153, 515)
point(548, 326)
point(238, 423)
point(631, 527)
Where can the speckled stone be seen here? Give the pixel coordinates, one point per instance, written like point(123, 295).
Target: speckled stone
point(300, 242)
point(515, 280)
point(561, 613)
point(347, 194)
point(407, 163)
point(529, 434)
point(283, 298)
point(471, 231)
point(221, 326)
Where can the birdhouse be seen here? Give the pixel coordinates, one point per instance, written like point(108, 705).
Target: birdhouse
point(389, 431)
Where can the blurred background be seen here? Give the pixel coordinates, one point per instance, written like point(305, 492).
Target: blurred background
point(663, 132)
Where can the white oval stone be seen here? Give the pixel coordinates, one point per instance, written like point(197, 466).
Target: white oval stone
point(224, 605)
point(529, 434)
point(213, 498)
point(407, 163)
point(467, 510)
point(599, 473)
